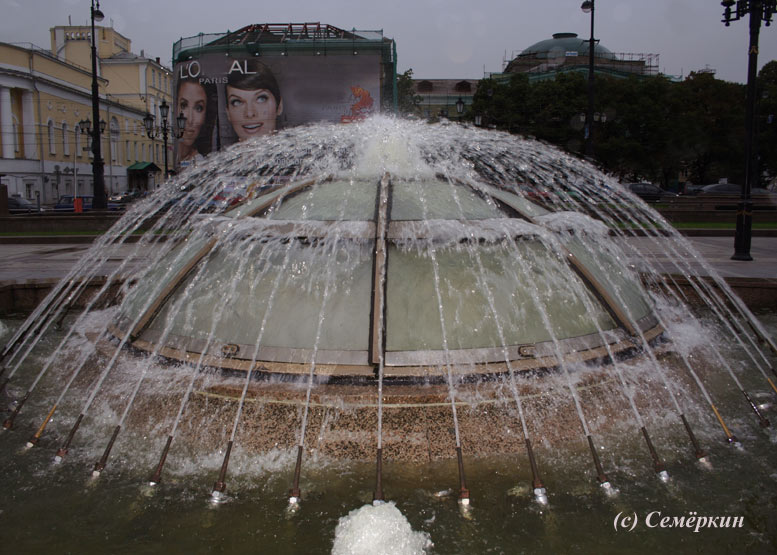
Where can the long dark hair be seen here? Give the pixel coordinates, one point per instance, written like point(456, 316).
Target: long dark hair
point(204, 141)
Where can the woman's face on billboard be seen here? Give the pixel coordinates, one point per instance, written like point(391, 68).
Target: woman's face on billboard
point(192, 102)
point(252, 113)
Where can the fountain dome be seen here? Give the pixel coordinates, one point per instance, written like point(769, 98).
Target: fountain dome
point(352, 270)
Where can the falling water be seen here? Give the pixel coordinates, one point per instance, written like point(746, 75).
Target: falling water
point(242, 318)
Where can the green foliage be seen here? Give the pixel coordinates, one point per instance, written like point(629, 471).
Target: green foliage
point(766, 125)
point(655, 129)
point(407, 100)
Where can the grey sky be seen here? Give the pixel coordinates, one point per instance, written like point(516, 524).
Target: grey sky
point(436, 38)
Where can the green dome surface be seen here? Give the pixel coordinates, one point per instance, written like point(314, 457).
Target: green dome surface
point(561, 43)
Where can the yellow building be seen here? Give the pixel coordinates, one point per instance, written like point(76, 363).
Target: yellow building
point(44, 94)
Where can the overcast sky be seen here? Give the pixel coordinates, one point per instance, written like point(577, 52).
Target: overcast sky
point(436, 38)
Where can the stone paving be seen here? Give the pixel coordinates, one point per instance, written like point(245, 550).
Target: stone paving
point(717, 252)
point(24, 262)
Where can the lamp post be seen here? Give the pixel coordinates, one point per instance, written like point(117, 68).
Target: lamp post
point(165, 128)
point(100, 200)
point(588, 6)
point(759, 10)
point(93, 135)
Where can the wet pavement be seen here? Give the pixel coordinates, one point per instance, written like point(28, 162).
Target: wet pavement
point(717, 252)
point(25, 262)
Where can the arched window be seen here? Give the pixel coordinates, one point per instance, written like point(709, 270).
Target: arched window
point(77, 133)
point(52, 141)
point(463, 86)
point(425, 86)
point(65, 139)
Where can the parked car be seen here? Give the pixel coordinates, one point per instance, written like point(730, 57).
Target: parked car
point(729, 189)
point(65, 204)
point(19, 205)
point(730, 193)
point(692, 190)
point(650, 192)
point(124, 197)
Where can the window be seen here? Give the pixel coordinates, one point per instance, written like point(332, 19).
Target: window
point(463, 86)
point(16, 134)
point(52, 143)
point(127, 150)
point(114, 140)
point(79, 150)
point(65, 139)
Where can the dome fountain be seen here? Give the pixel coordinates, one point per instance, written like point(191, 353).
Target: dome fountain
point(387, 291)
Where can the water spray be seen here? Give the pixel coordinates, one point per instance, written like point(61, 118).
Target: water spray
point(79, 366)
point(464, 500)
point(60, 299)
point(62, 451)
point(220, 487)
point(600, 475)
point(295, 495)
point(100, 465)
point(8, 423)
point(33, 441)
point(377, 496)
point(157, 476)
point(540, 494)
point(763, 422)
point(378, 320)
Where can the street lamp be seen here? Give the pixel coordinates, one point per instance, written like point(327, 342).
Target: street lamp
point(165, 128)
point(100, 200)
point(460, 107)
point(588, 7)
point(758, 10)
point(85, 125)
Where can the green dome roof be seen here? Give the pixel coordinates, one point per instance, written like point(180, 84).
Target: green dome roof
point(561, 43)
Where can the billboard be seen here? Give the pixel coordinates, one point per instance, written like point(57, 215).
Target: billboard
point(233, 98)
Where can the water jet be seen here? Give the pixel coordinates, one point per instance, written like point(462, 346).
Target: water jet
point(391, 296)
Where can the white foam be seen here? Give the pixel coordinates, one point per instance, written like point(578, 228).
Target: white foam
point(376, 530)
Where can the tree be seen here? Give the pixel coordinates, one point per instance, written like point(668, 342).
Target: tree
point(407, 100)
point(767, 123)
point(655, 127)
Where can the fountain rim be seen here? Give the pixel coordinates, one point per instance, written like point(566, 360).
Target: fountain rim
point(521, 358)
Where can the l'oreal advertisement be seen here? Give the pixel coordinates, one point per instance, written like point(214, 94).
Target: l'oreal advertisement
point(226, 99)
